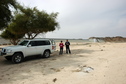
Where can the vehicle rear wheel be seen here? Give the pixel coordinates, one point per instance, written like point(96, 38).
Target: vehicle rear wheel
point(17, 58)
point(46, 54)
point(8, 58)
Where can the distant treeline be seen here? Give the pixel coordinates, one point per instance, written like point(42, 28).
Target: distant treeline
point(110, 39)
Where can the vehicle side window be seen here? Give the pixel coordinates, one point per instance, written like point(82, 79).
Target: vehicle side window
point(39, 43)
point(33, 43)
point(47, 43)
point(23, 43)
point(42, 43)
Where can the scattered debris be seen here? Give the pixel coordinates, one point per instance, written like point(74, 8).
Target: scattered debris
point(56, 70)
point(2, 76)
point(8, 74)
point(55, 79)
point(53, 59)
point(101, 49)
point(87, 69)
point(89, 45)
point(84, 68)
point(77, 70)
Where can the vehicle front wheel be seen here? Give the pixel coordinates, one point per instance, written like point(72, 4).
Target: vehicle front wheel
point(46, 54)
point(17, 58)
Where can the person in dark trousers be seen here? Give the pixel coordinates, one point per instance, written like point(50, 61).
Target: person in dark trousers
point(67, 43)
point(61, 48)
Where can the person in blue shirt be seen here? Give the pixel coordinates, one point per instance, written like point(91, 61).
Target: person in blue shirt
point(67, 44)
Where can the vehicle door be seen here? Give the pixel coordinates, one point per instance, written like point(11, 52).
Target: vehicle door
point(42, 46)
point(31, 49)
point(53, 45)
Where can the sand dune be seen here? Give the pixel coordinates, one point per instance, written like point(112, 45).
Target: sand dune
point(89, 63)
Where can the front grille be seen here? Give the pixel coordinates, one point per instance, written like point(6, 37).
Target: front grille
point(4, 50)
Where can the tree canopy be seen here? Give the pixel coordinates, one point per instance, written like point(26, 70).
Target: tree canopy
point(31, 22)
point(14, 38)
point(28, 22)
point(5, 12)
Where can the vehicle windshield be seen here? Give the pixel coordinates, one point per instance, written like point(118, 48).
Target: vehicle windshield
point(23, 43)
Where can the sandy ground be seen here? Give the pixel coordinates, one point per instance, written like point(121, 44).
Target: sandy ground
point(89, 63)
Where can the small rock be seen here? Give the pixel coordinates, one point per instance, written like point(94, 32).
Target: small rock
point(101, 49)
point(55, 79)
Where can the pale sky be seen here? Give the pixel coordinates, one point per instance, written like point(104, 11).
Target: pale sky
point(85, 18)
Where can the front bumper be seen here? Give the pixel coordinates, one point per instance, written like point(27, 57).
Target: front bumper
point(5, 54)
point(1, 54)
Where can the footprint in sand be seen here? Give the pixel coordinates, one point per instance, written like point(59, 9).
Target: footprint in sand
point(56, 70)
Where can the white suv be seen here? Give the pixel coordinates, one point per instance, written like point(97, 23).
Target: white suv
point(42, 47)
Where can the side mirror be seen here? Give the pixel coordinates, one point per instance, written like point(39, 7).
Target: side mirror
point(29, 45)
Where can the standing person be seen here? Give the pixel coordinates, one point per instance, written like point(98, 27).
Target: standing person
point(67, 43)
point(61, 47)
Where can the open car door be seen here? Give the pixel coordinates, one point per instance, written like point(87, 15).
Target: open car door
point(53, 45)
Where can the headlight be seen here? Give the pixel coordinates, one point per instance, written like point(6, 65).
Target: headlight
point(9, 51)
